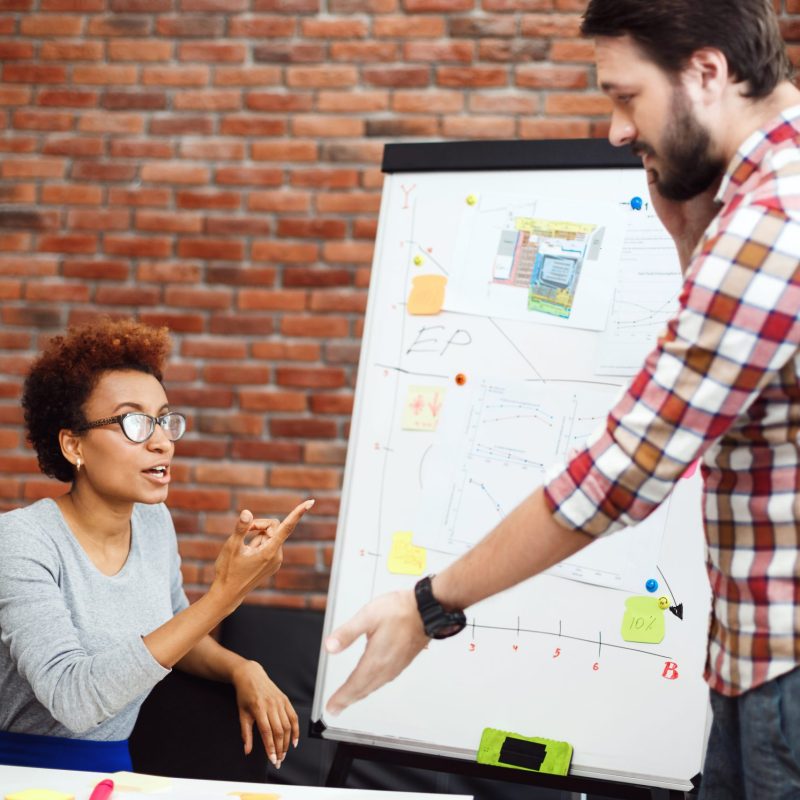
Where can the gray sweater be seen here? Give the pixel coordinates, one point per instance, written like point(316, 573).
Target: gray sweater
point(72, 659)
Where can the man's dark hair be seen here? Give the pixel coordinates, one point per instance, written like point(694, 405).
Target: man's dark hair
point(669, 31)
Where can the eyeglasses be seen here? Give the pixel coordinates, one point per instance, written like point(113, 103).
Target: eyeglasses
point(139, 427)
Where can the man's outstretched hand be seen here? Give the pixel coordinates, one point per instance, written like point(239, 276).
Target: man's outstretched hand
point(395, 636)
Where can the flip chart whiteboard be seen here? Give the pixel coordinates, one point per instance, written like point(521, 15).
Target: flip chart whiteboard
point(516, 288)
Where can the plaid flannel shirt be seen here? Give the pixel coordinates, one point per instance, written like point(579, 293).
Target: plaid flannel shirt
point(723, 383)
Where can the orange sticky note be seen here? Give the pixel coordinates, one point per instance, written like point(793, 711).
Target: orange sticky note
point(427, 294)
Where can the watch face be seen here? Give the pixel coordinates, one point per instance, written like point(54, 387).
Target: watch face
point(450, 629)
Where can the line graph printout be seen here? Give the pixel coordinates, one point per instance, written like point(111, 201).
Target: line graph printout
point(494, 446)
point(645, 296)
point(546, 260)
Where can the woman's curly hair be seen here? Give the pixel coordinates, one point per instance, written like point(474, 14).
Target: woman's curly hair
point(63, 376)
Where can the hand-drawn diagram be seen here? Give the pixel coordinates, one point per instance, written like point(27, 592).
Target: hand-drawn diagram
point(542, 260)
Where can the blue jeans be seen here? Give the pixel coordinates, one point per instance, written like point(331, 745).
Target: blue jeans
point(754, 747)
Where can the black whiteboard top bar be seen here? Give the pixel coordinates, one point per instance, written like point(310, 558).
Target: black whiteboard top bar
point(512, 154)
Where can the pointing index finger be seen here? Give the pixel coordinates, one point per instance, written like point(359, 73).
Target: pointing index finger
point(290, 521)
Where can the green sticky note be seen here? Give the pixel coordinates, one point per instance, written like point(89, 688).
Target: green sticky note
point(643, 620)
point(531, 753)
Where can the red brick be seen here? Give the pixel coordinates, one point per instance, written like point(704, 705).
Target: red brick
point(241, 275)
point(304, 477)
point(213, 52)
point(139, 197)
point(324, 453)
point(550, 26)
point(332, 403)
point(478, 127)
point(58, 292)
point(140, 6)
point(471, 77)
point(277, 101)
point(338, 301)
point(262, 26)
point(137, 246)
point(222, 6)
point(50, 25)
point(271, 300)
point(316, 228)
point(511, 103)
point(254, 400)
point(317, 327)
point(334, 28)
point(11, 290)
point(397, 127)
point(199, 398)
point(325, 178)
point(119, 25)
point(169, 272)
point(238, 226)
point(303, 428)
point(67, 146)
point(267, 451)
point(252, 126)
point(179, 124)
point(538, 77)
point(213, 149)
point(68, 243)
point(409, 26)
point(111, 123)
point(249, 176)
point(153, 100)
point(127, 296)
point(71, 51)
point(283, 151)
point(482, 27)
point(364, 52)
point(234, 424)
point(10, 51)
point(28, 266)
point(518, 51)
point(287, 351)
point(417, 102)
point(213, 348)
point(581, 50)
point(208, 100)
point(14, 241)
point(191, 26)
point(67, 97)
point(96, 270)
point(18, 144)
point(106, 75)
point(236, 374)
point(163, 221)
point(309, 378)
point(350, 252)
point(179, 297)
point(281, 201)
point(241, 324)
point(99, 220)
point(439, 52)
point(200, 500)
point(328, 125)
point(252, 75)
point(132, 50)
point(208, 199)
point(141, 148)
point(175, 76)
point(208, 249)
point(234, 474)
point(175, 172)
point(103, 171)
point(553, 128)
point(42, 120)
point(321, 77)
point(578, 104)
point(362, 6)
point(284, 252)
point(313, 276)
point(396, 76)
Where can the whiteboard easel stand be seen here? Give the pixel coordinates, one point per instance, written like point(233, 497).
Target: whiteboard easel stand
point(347, 752)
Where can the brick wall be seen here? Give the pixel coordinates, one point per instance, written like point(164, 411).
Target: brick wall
point(214, 165)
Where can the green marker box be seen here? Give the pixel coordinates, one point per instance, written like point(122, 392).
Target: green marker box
point(530, 753)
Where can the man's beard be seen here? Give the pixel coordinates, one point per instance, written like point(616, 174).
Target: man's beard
point(687, 166)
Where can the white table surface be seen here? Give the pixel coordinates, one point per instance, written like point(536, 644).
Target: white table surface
point(81, 784)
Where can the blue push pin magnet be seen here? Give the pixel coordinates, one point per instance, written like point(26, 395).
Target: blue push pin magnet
point(636, 203)
point(651, 585)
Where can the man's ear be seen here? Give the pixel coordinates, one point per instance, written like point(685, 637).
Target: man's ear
point(71, 446)
point(706, 75)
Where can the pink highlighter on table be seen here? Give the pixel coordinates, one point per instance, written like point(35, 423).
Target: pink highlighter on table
point(103, 790)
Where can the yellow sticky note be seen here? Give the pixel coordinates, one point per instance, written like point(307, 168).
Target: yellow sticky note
point(406, 558)
point(422, 408)
point(254, 796)
point(427, 294)
point(39, 794)
point(135, 782)
point(643, 620)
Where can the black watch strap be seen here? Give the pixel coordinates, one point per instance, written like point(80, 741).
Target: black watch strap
point(438, 623)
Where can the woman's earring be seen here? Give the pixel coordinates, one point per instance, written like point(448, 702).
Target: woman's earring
point(78, 465)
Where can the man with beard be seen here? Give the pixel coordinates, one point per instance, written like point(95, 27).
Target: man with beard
point(702, 92)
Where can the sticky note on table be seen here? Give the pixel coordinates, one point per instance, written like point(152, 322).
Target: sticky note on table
point(135, 782)
point(427, 294)
point(39, 794)
point(643, 620)
point(406, 558)
point(254, 796)
point(422, 408)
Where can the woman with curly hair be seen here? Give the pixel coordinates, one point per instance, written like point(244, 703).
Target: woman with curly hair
point(92, 608)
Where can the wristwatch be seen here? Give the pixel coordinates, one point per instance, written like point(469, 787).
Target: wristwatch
point(438, 623)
